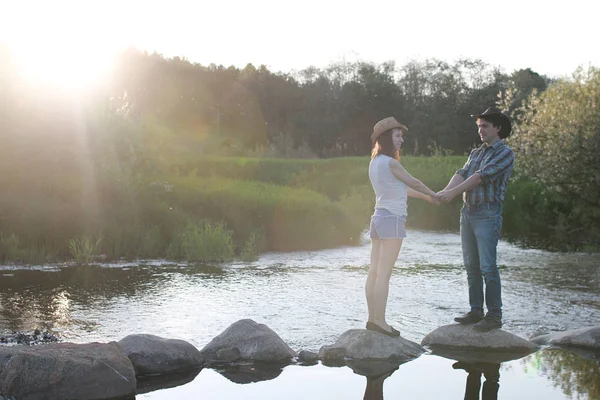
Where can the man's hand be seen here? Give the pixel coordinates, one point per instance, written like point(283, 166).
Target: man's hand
point(445, 196)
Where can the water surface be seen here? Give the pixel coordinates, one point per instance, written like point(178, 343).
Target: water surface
point(309, 299)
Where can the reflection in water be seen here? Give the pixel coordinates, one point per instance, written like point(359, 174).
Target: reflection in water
point(146, 384)
point(374, 388)
point(249, 372)
point(60, 308)
point(490, 371)
point(43, 299)
point(576, 375)
point(33, 309)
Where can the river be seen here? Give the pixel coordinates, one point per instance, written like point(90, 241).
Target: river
point(310, 298)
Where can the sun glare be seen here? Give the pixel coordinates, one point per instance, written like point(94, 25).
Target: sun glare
point(66, 44)
point(69, 66)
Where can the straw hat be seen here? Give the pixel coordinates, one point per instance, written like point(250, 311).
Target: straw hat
point(385, 125)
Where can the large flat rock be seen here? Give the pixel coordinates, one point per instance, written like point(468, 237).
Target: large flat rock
point(253, 341)
point(66, 371)
point(465, 337)
point(362, 344)
point(151, 355)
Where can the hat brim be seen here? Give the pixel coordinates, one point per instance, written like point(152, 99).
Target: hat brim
point(375, 135)
point(504, 117)
point(507, 124)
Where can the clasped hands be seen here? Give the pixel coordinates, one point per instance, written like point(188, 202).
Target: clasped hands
point(444, 196)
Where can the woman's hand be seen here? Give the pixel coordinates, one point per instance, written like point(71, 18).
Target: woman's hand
point(433, 200)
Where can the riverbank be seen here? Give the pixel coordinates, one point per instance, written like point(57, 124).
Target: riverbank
point(220, 209)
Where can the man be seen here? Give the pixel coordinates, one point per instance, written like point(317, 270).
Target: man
point(483, 181)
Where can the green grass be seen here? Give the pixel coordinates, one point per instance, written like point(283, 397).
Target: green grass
point(202, 241)
point(83, 249)
point(247, 205)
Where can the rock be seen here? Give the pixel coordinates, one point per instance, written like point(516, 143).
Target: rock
point(255, 342)
point(362, 344)
point(308, 357)
point(332, 355)
point(465, 337)
point(588, 338)
point(540, 330)
point(228, 355)
point(66, 371)
point(541, 339)
point(151, 354)
point(463, 343)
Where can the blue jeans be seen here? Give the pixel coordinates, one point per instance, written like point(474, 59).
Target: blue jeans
point(479, 233)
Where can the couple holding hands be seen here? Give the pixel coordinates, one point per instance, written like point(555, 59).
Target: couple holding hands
point(482, 182)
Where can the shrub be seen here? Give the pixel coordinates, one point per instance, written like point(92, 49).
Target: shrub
point(84, 249)
point(203, 241)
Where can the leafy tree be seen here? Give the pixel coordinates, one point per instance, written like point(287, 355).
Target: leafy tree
point(524, 82)
point(557, 140)
point(440, 97)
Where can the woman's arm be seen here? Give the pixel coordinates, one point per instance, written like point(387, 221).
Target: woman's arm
point(415, 194)
point(418, 195)
point(402, 175)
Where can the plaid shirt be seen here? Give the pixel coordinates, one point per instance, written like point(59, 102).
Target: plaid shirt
point(494, 163)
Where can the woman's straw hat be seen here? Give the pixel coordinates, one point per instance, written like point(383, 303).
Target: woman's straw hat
point(385, 125)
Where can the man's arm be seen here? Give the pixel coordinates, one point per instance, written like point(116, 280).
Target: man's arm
point(455, 181)
point(468, 184)
point(459, 176)
point(496, 165)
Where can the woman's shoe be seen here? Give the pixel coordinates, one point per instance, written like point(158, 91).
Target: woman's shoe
point(374, 327)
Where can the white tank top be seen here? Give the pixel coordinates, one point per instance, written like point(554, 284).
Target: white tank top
point(390, 193)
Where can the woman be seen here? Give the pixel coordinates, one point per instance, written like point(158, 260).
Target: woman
point(392, 185)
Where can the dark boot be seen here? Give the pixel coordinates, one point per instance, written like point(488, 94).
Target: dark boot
point(488, 323)
point(471, 317)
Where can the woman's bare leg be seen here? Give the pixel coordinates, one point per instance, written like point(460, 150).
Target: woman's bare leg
point(388, 254)
point(372, 277)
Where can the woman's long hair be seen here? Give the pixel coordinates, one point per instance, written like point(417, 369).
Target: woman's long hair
point(385, 145)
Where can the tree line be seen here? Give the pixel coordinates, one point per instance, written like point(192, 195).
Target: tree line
point(327, 112)
point(80, 157)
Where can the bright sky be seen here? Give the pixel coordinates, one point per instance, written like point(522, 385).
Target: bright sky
point(551, 39)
